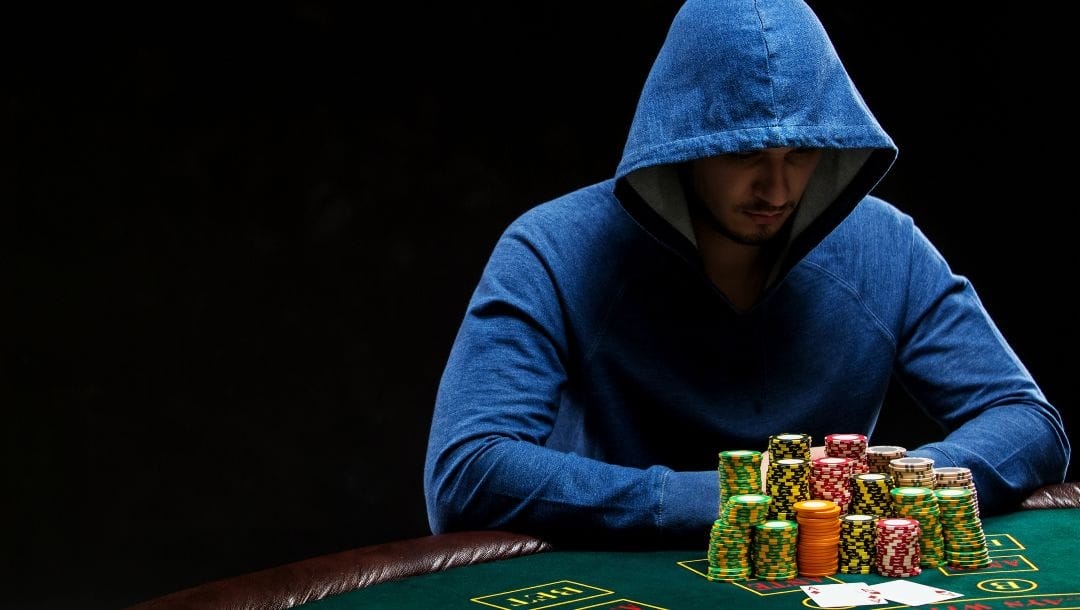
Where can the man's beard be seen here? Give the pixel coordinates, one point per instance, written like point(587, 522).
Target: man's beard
point(762, 237)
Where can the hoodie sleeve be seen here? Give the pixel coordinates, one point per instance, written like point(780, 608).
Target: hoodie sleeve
point(959, 367)
point(487, 466)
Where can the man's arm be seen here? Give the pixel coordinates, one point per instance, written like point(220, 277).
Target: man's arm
point(958, 366)
point(487, 465)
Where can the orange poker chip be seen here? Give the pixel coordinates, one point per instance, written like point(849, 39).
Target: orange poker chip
point(819, 541)
point(819, 528)
point(818, 559)
point(811, 506)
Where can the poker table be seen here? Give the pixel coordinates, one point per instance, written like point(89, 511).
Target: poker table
point(1035, 564)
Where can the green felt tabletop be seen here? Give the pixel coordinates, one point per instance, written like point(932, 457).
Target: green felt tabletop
point(1036, 564)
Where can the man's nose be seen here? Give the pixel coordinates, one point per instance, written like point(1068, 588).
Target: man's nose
point(772, 184)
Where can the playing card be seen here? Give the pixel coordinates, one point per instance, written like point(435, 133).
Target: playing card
point(846, 594)
point(913, 593)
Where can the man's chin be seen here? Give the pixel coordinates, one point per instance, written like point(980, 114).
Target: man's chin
point(756, 238)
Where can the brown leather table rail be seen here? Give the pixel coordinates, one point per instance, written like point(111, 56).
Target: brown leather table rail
point(1063, 495)
point(313, 579)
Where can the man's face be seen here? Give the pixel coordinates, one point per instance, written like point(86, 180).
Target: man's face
point(751, 195)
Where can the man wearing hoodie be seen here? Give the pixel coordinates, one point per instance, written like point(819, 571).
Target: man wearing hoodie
point(734, 279)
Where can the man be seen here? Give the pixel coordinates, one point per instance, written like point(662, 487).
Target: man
point(735, 279)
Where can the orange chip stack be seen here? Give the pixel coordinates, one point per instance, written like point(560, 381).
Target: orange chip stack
point(819, 537)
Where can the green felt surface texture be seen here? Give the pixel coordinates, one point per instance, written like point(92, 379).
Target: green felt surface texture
point(1035, 566)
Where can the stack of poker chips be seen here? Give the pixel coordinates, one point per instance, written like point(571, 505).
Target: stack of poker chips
point(788, 482)
point(870, 495)
point(732, 535)
point(830, 479)
point(912, 472)
point(965, 541)
point(857, 550)
point(849, 446)
point(788, 445)
point(774, 550)
point(956, 477)
point(739, 472)
point(819, 537)
point(897, 548)
point(879, 456)
point(921, 504)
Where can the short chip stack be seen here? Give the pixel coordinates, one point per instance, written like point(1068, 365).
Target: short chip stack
point(819, 537)
point(921, 504)
point(739, 472)
point(857, 552)
point(851, 446)
point(774, 550)
point(879, 456)
point(965, 541)
point(897, 548)
point(912, 472)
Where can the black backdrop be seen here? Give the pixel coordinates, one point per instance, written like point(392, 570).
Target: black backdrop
point(242, 240)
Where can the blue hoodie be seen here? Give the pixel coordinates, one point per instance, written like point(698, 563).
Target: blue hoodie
point(598, 371)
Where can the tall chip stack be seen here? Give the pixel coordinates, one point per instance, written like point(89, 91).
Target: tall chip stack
point(965, 541)
point(788, 476)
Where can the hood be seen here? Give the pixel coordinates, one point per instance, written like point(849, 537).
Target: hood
point(738, 75)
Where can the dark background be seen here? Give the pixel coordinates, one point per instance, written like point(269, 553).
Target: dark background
point(242, 240)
